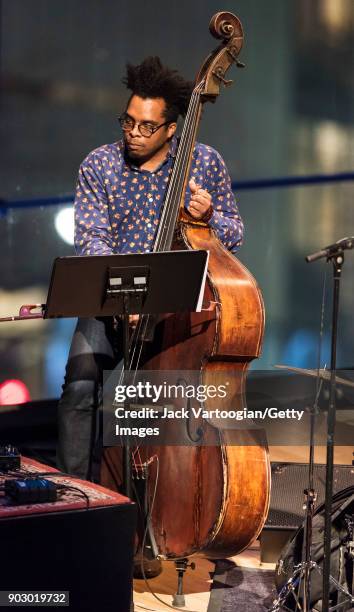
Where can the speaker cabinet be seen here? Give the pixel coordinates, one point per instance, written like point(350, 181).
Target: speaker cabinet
point(286, 512)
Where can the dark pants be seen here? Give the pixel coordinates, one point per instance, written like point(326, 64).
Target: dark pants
point(94, 348)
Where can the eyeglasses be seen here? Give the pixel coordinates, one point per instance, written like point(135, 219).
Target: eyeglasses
point(145, 128)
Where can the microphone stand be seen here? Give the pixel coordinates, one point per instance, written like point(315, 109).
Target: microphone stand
point(300, 581)
point(335, 254)
point(337, 261)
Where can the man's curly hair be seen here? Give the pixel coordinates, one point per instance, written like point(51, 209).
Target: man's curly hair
point(151, 79)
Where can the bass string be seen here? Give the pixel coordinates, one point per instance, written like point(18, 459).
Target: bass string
point(138, 332)
point(142, 320)
point(168, 219)
point(141, 329)
point(178, 177)
point(177, 189)
point(169, 200)
point(181, 180)
point(176, 185)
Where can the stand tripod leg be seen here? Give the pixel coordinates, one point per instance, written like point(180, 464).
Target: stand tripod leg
point(287, 590)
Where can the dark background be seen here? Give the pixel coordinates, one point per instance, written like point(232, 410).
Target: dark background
point(290, 112)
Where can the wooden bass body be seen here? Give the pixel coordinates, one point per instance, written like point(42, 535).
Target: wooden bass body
point(211, 499)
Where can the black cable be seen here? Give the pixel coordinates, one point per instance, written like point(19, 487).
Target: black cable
point(29, 475)
point(148, 518)
point(64, 488)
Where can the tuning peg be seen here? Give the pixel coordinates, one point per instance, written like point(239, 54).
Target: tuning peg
point(219, 74)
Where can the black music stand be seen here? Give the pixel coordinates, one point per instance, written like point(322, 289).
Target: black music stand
point(110, 285)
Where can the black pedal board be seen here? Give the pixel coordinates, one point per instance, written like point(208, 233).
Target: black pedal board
point(31, 490)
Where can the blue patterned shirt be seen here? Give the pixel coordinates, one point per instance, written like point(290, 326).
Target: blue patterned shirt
point(118, 205)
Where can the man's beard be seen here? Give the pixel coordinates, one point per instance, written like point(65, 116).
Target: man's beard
point(138, 157)
point(134, 156)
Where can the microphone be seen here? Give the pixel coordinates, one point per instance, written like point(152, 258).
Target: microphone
point(332, 249)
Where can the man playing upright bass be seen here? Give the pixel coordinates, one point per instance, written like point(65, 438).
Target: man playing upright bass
point(119, 198)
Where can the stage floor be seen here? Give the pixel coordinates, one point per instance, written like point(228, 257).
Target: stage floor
point(197, 583)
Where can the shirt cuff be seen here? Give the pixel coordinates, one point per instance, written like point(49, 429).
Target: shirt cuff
point(208, 215)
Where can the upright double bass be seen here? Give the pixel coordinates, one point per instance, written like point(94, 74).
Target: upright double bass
point(208, 499)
